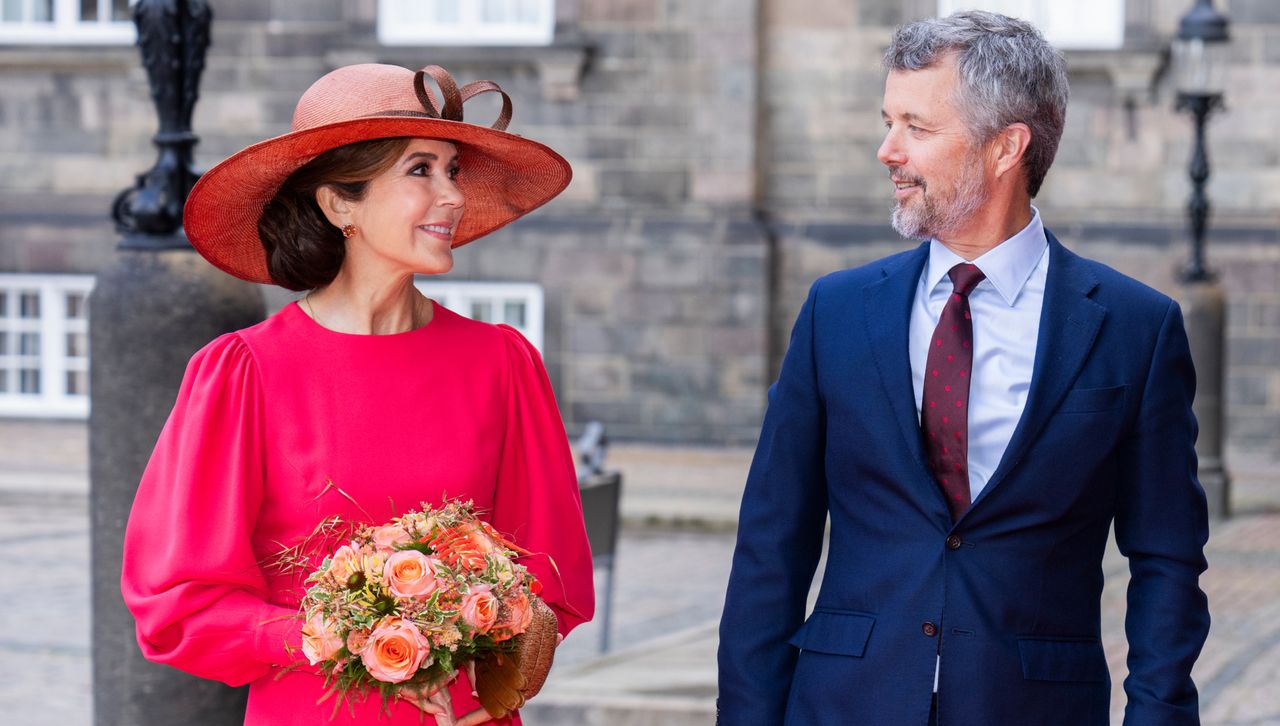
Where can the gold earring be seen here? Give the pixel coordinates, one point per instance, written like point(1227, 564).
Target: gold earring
point(349, 231)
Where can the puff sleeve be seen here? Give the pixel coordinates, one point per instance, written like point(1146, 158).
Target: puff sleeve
point(190, 576)
point(537, 501)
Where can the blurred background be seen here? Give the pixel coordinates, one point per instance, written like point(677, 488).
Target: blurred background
point(724, 158)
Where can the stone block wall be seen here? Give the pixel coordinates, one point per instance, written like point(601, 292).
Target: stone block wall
point(669, 304)
point(1117, 191)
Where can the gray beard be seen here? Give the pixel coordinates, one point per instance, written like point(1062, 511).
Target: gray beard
point(935, 219)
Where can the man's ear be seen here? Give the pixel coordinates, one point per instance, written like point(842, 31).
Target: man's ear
point(336, 209)
point(1009, 148)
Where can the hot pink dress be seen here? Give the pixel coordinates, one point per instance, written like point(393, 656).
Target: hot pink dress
point(283, 424)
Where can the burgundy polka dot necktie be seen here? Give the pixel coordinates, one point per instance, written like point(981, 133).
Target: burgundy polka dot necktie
point(944, 415)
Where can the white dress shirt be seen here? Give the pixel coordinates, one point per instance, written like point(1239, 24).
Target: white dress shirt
point(1005, 311)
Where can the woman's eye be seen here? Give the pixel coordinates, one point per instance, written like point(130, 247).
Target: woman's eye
point(420, 170)
point(453, 172)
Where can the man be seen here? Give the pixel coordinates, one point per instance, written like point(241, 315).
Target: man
point(972, 415)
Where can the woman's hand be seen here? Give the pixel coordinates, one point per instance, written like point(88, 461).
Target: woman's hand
point(435, 701)
point(439, 703)
point(480, 715)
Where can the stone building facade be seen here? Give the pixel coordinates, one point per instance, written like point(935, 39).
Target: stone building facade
point(724, 157)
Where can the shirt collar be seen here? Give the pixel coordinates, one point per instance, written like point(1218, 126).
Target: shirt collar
point(1007, 266)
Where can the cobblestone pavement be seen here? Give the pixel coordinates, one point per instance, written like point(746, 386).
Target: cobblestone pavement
point(44, 624)
point(669, 586)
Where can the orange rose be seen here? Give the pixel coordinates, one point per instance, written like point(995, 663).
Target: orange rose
point(480, 608)
point(409, 573)
point(395, 651)
point(517, 615)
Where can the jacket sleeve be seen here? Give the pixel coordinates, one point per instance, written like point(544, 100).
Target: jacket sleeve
point(1162, 527)
point(190, 576)
point(780, 532)
point(537, 502)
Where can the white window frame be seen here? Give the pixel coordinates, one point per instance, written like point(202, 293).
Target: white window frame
point(1075, 25)
point(66, 27)
point(52, 401)
point(394, 29)
point(462, 296)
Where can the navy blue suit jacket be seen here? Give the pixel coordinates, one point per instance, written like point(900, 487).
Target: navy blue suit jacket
point(1008, 595)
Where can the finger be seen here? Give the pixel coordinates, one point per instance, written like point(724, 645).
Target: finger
point(477, 716)
point(440, 707)
point(443, 700)
point(471, 676)
point(559, 639)
point(416, 698)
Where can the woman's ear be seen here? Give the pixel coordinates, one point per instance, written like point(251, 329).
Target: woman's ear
point(336, 209)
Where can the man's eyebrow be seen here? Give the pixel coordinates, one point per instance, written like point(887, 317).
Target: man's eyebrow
point(907, 116)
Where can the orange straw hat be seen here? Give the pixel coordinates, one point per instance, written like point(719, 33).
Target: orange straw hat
point(502, 175)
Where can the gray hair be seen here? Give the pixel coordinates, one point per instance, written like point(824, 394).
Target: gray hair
point(1008, 74)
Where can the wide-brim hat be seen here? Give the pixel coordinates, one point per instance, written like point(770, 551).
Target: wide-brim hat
point(502, 176)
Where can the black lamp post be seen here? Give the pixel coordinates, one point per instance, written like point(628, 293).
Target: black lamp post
point(154, 304)
point(1200, 57)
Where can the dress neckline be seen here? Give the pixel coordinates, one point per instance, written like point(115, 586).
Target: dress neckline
point(437, 310)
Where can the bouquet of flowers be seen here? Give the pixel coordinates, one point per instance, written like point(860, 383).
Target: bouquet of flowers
point(405, 604)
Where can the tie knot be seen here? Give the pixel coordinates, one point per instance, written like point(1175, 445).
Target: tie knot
point(965, 277)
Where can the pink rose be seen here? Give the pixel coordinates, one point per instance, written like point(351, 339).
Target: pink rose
point(409, 573)
point(343, 564)
point(356, 641)
point(319, 641)
point(387, 537)
point(480, 608)
point(395, 651)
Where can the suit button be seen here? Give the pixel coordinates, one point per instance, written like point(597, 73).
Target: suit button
point(929, 629)
point(954, 542)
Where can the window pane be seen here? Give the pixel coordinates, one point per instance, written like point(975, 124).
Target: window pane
point(77, 306)
point(4, 381)
point(527, 11)
point(77, 383)
point(493, 11)
point(77, 345)
point(447, 11)
point(88, 11)
point(513, 313)
point(11, 11)
point(29, 305)
point(29, 380)
point(120, 10)
point(4, 304)
point(43, 11)
point(482, 310)
point(29, 344)
point(4, 343)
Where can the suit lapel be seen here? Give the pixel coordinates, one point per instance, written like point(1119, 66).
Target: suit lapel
point(887, 305)
point(1069, 323)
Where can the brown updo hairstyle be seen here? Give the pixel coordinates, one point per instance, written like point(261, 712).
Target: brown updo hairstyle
point(305, 251)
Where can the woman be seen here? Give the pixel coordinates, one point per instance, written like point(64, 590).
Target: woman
point(361, 400)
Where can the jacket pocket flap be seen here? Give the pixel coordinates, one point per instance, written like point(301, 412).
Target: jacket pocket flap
point(1083, 400)
point(838, 632)
point(1063, 659)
